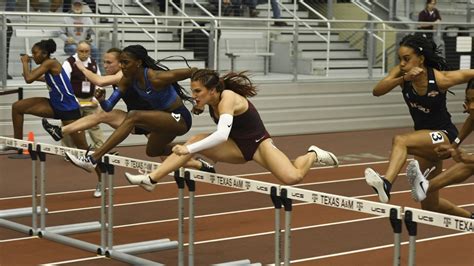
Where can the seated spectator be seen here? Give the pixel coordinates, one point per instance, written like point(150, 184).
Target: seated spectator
point(84, 90)
point(67, 5)
point(253, 12)
point(53, 5)
point(72, 35)
point(429, 14)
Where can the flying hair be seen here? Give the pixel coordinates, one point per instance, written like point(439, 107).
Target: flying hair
point(236, 82)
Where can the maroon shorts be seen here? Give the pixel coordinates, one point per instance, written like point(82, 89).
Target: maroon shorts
point(248, 147)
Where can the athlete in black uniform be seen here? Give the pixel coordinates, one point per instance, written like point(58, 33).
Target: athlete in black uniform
point(424, 81)
point(240, 135)
point(462, 170)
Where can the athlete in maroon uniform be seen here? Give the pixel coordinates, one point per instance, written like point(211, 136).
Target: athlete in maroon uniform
point(240, 135)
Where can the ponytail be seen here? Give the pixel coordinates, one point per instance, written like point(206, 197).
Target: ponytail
point(236, 82)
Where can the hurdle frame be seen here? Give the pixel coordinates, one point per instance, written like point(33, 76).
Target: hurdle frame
point(354, 204)
point(414, 216)
point(121, 252)
point(34, 210)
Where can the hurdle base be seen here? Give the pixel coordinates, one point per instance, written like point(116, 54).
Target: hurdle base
point(130, 259)
point(70, 241)
point(15, 226)
point(72, 228)
point(146, 246)
point(237, 262)
point(19, 212)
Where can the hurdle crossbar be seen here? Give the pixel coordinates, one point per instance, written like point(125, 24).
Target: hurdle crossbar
point(34, 209)
point(414, 216)
point(123, 252)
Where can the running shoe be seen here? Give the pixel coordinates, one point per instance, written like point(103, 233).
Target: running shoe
point(417, 180)
point(85, 162)
point(206, 166)
point(324, 157)
point(97, 192)
point(53, 130)
point(141, 180)
point(381, 185)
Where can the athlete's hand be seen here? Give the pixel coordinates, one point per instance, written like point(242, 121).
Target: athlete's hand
point(413, 73)
point(25, 58)
point(444, 151)
point(99, 94)
point(197, 110)
point(80, 65)
point(180, 150)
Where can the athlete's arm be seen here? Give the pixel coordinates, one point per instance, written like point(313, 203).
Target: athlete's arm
point(35, 74)
point(116, 95)
point(226, 109)
point(448, 79)
point(160, 79)
point(98, 79)
point(392, 80)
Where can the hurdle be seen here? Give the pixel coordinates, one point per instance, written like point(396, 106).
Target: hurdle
point(122, 252)
point(393, 212)
point(414, 216)
point(58, 233)
point(21, 212)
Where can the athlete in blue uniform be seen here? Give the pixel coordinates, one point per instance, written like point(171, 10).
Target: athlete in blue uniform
point(115, 117)
point(167, 119)
point(62, 104)
point(424, 81)
point(240, 135)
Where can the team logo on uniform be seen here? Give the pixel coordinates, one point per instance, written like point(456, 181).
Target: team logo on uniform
point(433, 93)
point(176, 117)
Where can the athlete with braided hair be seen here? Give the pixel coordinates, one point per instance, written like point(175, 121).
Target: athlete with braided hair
point(167, 117)
point(462, 170)
point(422, 74)
point(240, 135)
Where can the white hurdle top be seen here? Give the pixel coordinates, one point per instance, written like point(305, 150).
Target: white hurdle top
point(132, 163)
point(17, 143)
point(441, 220)
point(342, 202)
point(60, 150)
point(233, 182)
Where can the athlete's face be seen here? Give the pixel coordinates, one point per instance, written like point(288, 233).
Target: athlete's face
point(129, 65)
point(200, 93)
point(111, 63)
point(409, 59)
point(38, 55)
point(469, 103)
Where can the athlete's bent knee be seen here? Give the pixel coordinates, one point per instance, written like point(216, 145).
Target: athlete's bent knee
point(399, 140)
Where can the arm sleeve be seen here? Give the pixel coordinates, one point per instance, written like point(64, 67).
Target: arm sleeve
point(219, 136)
point(108, 104)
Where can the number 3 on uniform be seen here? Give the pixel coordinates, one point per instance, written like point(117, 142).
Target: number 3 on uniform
point(436, 137)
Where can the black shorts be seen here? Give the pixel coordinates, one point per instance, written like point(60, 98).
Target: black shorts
point(248, 147)
point(185, 114)
point(66, 115)
point(452, 132)
point(140, 131)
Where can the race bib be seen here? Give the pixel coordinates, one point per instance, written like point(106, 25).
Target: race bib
point(436, 137)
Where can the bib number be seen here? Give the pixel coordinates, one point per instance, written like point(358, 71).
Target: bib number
point(436, 137)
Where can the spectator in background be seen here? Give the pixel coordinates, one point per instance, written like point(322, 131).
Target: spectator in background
point(84, 90)
point(429, 14)
point(67, 4)
point(73, 35)
point(162, 5)
point(53, 5)
point(253, 12)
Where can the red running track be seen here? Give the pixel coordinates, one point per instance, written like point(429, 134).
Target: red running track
point(233, 225)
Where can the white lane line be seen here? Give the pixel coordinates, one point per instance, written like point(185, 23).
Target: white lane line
point(224, 193)
point(172, 182)
point(377, 248)
point(74, 260)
